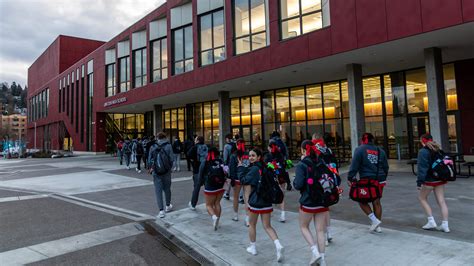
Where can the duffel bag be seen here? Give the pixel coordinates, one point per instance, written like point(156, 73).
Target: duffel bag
point(365, 190)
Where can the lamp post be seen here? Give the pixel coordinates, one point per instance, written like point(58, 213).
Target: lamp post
point(35, 136)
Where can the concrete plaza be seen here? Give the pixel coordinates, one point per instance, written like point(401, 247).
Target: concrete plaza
point(59, 192)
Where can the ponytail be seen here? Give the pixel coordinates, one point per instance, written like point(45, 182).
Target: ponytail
point(428, 141)
point(213, 154)
point(240, 148)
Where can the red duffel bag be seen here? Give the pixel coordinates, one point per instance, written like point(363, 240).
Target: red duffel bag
point(365, 190)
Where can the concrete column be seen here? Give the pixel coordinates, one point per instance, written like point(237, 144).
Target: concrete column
point(158, 118)
point(436, 97)
point(356, 103)
point(224, 117)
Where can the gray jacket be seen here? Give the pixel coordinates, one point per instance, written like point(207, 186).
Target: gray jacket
point(365, 161)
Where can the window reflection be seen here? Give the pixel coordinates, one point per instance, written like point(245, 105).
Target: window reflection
point(416, 91)
point(299, 17)
point(250, 25)
point(212, 48)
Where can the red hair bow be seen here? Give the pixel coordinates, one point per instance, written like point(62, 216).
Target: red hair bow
point(241, 146)
point(211, 156)
point(275, 148)
point(308, 149)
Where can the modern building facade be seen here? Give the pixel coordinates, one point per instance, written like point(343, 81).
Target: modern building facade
point(396, 68)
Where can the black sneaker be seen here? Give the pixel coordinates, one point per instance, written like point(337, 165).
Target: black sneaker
point(241, 200)
point(226, 196)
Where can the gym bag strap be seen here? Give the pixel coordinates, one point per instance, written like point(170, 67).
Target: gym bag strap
point(366, 190)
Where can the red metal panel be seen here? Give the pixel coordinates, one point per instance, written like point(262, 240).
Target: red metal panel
point(371, 22)
point(438, 14)
point(403, 18)
point(467, 10)
point(343, 25)
point(319, 43)
point(289, 52)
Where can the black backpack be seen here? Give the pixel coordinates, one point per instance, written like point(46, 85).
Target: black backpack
point(177, 147)
point(140, 149)
point(126, 147)
point(322, 183)
point(161, 160)
point(268, 187)
point(216, 176)
point(442, 166)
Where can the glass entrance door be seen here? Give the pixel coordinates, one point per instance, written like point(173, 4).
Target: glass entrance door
point(419, 125)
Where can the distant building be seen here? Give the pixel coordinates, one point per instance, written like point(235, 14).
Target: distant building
point(15, 126)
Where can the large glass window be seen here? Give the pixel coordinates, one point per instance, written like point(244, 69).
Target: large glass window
point(183, 49)
point(250, 25)
point(332, 103)
point(124, 74)
point(450, 87)
point(300, 17)
point(212, 39)
point(416, 91)
point(110, 80)
point(139, 68)
point(159, 63)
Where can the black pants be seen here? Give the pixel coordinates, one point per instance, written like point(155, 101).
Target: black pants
point(139, 161)
point(196, 190)
point(188, 161)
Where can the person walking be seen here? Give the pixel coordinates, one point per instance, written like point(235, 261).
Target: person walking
point(257, 204)
point(119, 151)
point(214, 175)
point(372, 165)
point(188, 144)
point(134, 154)
point(139, 152)
point(229, 147)
point(427, 182)
point(177, 149)
point(127, 152)
point(145, 156)
point(238, 154)
point(198, 153)
point(312, 206)
point(276, 158)
point(326, 156)
point(160, 161)
point(149, 144)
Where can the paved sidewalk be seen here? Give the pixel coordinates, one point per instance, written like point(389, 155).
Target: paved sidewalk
point(352, 245)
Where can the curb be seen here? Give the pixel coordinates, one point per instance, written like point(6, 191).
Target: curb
point(187, 252)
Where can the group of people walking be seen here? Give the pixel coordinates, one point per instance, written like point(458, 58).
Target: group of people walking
point(260, 179)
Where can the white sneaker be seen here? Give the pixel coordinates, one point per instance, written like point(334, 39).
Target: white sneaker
point(169, 208)
point(378, 229)
point(247, 221)
point(128, 167)
point(374, 225)
point(235, 218)
point(315, 258)
point(252, 249)
point(282, 217)
point(215, 222)
point(191, 206)
point(161, 214)
point(139, 171)
point(444, 228)
point(279, 251)
point(136, 169)
point(430, 225)
point(326, 243)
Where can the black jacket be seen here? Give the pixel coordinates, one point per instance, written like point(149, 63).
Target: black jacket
point(425, 160)
point(251, 176)
point(233, 164)
point(300, 183)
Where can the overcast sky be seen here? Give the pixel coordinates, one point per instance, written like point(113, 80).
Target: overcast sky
point(28, 27)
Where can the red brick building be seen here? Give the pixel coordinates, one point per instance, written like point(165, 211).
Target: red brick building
point(396, 68)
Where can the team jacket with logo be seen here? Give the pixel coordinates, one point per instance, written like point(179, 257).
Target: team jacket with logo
point(365, 162)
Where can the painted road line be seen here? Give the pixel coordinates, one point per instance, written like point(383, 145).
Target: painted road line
point(66, 245)
point(132, 215)
point(17, 198)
